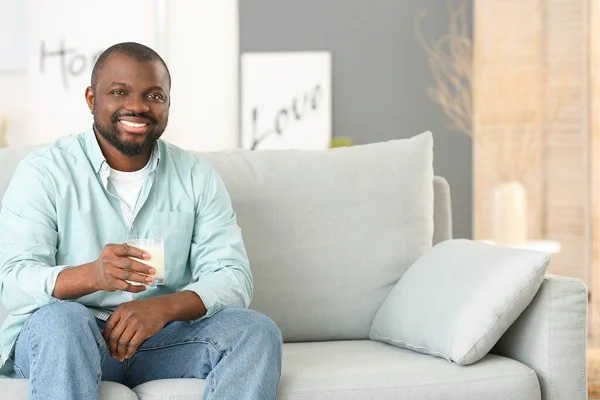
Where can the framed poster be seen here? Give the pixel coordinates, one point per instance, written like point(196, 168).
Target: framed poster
point(286, 100)
point(65, 37)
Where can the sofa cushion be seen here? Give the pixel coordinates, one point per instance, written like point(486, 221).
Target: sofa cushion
point(329, 233)
point(171, 389)
point(17, 389)
point(9, 158)
point(371, 370)
point(459, 298)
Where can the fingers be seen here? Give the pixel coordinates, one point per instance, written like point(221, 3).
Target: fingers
point(117, 268)
point(124, 340)
point(113, 337)
point(134, 344)
point(108, 328)
point(120, 278)
point(128, 275)
point(124, 250)
point(128, 287)
point(128, 263)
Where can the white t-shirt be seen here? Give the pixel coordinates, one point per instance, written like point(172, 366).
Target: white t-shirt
point(128, 185)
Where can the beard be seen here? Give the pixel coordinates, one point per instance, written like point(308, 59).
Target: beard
point(111, 134)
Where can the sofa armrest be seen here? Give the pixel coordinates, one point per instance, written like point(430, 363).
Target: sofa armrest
point(550, 337)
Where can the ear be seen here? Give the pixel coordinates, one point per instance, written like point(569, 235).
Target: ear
point(89, 98)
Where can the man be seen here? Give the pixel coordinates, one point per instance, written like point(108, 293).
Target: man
point(67, 278)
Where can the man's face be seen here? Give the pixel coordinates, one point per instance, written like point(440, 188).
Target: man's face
point(130, 103)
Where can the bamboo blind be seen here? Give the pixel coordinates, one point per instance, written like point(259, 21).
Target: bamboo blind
point(594, 62)
point(508, 50)
point(545, 41)
point(566, 145)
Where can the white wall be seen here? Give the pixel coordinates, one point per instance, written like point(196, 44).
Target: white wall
point(13, 104)
point(199, 43)
point(13, 35)
point(202, 54)
point(13, 62)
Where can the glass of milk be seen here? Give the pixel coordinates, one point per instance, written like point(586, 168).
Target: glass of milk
point(156, 248)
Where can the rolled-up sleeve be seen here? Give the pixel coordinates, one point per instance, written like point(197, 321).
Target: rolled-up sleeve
point(28, 240)
point(219, 263)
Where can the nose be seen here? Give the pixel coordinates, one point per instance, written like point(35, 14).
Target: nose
point(137, 104)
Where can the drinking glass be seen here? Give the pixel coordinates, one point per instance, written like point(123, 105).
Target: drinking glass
point(156, 248)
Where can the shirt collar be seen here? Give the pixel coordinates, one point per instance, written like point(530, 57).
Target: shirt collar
point(97, 158)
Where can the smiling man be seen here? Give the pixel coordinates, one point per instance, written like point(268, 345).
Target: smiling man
point(80, 310)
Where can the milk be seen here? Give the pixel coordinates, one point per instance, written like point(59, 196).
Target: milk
point(156, 248)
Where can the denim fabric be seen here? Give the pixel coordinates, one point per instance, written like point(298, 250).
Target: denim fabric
point(63, 354)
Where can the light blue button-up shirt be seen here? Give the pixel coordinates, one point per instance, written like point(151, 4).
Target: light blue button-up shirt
point(60, 210)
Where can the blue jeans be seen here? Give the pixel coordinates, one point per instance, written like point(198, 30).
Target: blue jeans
point(63, 354)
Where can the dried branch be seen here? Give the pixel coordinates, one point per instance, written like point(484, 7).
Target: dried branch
point(450, 59)
point(513, 106)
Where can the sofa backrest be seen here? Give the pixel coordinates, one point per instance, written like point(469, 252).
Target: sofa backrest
point(317, 228)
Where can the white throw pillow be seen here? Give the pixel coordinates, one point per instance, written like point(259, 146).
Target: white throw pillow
point(458, 299)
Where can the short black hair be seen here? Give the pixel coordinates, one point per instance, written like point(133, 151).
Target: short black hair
point(136, 51)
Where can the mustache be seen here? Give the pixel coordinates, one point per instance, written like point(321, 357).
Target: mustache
point(149, 117)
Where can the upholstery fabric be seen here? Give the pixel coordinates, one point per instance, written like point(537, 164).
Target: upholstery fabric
point(459, 298)
point(550, 337)
point(16, 389)
point(442, 210)
point(171, 389)
point(365, 370)
point(328, 229)
point(369, 370)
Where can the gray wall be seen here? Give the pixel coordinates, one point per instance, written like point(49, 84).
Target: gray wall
point(380, 73)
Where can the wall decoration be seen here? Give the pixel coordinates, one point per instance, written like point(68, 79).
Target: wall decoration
point(286, 100)
point(65, 37)
point(53, 45)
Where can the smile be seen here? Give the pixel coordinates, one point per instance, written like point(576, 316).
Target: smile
point(133, 124)
point(135, 128)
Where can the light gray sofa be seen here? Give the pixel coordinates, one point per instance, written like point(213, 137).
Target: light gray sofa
point(542, 356)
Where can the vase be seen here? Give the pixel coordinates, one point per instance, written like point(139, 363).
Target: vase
point(509, 213)
point(3, 129)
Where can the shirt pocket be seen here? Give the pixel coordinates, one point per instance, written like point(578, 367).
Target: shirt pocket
point(177, 228)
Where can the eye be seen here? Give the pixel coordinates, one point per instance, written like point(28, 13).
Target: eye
point(155, 96)
point(117, 92)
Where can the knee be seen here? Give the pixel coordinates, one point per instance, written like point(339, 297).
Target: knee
point(262, 329)
point(61, 316)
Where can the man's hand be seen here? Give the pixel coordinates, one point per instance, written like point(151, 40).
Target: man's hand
point(132, 323)
point(136, 321)
point(114, 267)
point(109, 272)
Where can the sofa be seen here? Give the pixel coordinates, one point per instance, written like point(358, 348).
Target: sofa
point(325, 233)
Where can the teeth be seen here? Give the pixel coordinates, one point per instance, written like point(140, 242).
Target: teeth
point(132, 124)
